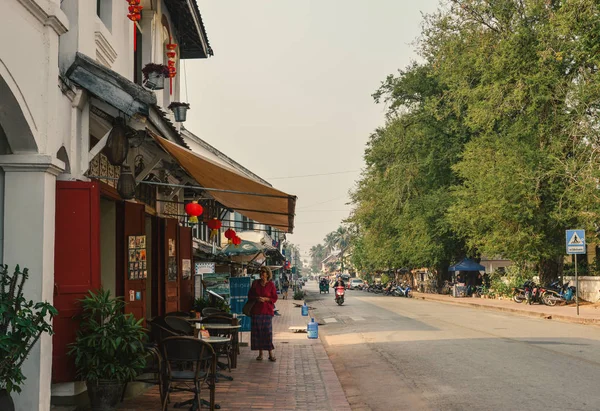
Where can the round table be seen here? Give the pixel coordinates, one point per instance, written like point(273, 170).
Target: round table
point(215, 340)
point(220, 326)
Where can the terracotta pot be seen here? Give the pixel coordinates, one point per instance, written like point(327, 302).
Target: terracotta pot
point(6, 402)
point(104, 395)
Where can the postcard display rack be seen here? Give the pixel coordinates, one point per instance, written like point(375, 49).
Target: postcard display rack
point(138, 269)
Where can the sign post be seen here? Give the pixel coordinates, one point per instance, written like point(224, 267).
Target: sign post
point(576, 245)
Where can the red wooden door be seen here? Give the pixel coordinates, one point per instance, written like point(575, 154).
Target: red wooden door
point(171, 265)
point(186, 289)
point(76, 265)
point(135, 265)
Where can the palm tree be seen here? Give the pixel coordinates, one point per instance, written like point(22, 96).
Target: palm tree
point(330, 242)
point(317, 254)
point(343, 238)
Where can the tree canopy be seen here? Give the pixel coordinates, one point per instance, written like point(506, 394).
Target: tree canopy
point(490, 145)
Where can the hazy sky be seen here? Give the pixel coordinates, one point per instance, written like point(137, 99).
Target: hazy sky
point(288, 92)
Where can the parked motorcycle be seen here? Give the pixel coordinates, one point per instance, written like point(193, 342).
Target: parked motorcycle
point(403, 290)
point(339, 295)
point(556, 292)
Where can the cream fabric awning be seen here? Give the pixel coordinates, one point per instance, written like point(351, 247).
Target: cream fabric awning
point(271, 207)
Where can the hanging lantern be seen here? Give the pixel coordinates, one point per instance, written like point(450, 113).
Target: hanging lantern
point(126, 183)
point(117, 145)
point(236, 241)
point(135, 10)
point(171, 54)
point(194, 210)
point(229, 235)
point(214, 225)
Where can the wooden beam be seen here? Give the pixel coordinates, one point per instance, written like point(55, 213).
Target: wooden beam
point(149, 167)
point(99, 146)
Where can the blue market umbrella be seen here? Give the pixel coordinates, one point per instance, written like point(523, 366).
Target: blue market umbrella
point(466, 265)
point(245, 248)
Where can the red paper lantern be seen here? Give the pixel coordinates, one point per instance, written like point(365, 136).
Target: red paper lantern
point(236, 241)
point(194, 210)
point(229, 235)
point(214, 225)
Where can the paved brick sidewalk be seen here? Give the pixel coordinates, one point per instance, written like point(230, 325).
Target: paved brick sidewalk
point(302, 378)
point(588, 314)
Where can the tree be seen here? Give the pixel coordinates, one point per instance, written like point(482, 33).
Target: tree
point(317, 254)
point(402, 197)
point(523, 77)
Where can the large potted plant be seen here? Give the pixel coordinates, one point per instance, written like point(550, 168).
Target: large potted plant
point(22, 322)
point(179, 110)
point(108, 350)
point(154, 76)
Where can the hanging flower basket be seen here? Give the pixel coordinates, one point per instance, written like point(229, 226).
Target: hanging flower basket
point(179, 110)
point(154, 76)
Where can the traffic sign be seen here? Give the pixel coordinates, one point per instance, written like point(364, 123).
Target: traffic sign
point(575, 241)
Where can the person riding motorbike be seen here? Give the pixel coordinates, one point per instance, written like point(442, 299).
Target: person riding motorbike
point(338, 283)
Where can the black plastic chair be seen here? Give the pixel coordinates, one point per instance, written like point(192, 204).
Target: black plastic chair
point(178, 351)
point(180, 324)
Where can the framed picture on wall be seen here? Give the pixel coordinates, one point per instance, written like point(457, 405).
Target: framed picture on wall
point(172, 252)
point(186, 268)
point(131, 241)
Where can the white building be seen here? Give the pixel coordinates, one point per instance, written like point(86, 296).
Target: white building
point(70, 78)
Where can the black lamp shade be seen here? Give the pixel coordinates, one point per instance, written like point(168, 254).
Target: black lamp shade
point(117, 145)
point(126, 183)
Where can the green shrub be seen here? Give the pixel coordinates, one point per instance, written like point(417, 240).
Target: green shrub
point(202, 303)
point(299, 295)
point(109, 343)
point(502, 284)
point(22, 322)
point(385, 279)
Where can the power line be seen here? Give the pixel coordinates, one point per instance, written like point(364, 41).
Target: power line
point(314, 175)
point(322, 202)
point(315, 211)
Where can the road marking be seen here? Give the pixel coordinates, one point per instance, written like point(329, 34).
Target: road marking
point(330, 320)
point(357, 318)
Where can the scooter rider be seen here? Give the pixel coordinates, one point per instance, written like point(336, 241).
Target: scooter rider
point(339, 283)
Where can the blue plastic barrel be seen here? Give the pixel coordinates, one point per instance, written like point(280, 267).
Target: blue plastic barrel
point(305, 310)
point(312, 329)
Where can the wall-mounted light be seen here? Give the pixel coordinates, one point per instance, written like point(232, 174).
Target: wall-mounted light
point(126, 183)
point(117, 145)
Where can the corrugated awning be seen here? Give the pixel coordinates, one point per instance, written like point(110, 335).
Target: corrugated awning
point(255, 200)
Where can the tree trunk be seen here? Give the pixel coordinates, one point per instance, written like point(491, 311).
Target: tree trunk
point(549, 269)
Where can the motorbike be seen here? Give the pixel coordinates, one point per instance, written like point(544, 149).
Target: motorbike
point(403, 290)
point(556, 292)
point(339, 295)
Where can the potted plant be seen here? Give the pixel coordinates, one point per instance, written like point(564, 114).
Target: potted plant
point(108, 350)
point(22, 322)
point(179, 110)
point(154, 76)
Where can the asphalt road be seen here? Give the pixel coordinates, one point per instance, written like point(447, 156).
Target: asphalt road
point(394, 353)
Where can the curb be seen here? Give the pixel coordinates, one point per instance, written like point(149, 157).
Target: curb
point(524, 313)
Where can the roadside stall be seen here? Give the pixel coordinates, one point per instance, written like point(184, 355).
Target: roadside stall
point(464, 276)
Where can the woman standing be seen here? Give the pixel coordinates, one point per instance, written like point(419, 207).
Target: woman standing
point(264, 293)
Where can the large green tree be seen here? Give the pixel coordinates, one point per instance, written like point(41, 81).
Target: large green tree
point(521, 75)
point(403, 195)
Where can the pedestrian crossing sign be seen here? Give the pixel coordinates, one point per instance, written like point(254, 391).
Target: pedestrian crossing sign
point(575, 241)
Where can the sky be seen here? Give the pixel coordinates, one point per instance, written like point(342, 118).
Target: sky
point(288, 92)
